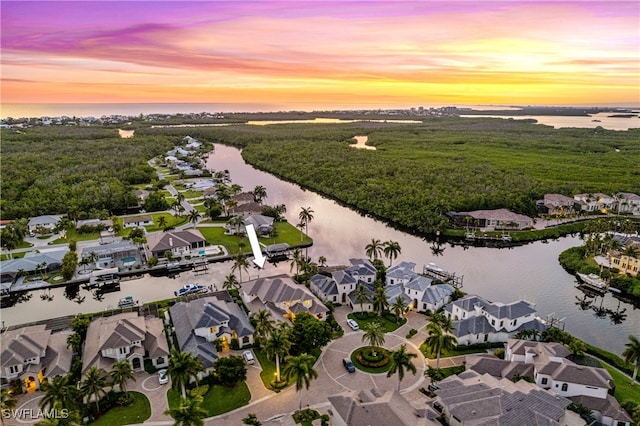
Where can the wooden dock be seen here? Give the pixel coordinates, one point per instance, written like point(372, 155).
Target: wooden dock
point(435, 273)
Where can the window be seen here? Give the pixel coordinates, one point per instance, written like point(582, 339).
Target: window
point(544, 381)
point(123, 350)
point(565, 386)
point(213, 330)
point(14, 369)
point(493, 322)
point(486, 337)
point(501, 324)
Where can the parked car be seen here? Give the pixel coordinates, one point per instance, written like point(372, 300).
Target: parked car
point(353, 324)
point(248, 357)
point(349, 365)
point(163, 377)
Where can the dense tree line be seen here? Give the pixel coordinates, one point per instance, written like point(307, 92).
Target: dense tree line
point(48, 170)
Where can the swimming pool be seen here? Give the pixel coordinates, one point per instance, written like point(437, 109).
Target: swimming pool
point(127, 261)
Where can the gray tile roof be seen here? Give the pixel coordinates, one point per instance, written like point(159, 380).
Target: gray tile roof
point(472, 325)
point(589, 376)
point(608, 407)
point(324, 284)
point(43, 220)
point(403, 270)
point(30, 260)
point(487, 364)
point(437, 293)
point(419, 283)
point(162, 241)
point(394, 292)
point(368, 288)
point(281, 289)
point(362, 267)
point(342, 278)
point(499, 310)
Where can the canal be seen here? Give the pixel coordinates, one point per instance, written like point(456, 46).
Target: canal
point(527, 272)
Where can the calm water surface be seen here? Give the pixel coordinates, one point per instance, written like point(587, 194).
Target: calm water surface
point(531, 272)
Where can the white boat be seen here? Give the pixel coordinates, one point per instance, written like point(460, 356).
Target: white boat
point(593, 281)
point(127, 302)
point(189, 289)
point(433, 267)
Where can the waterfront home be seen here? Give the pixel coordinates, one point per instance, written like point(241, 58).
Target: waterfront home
point(43, 224)
point(547, 365)
point(556, 204)
point(476, 320)
point(283, 297)
point(247, 209)
point(115, 254)
point(125, 336)
point(137, 221)
point(362, 270)
point(627, 202)
point(365, 305)
point(32, 263)
point(200, 322)
point(417, 290)
point(192, 144)
point(401, 273)
point(624, 264)
point(471, 398)
point(490, 220)
point(375, 407)
point(243, 198)
point(33, 354)
point(179, 243)
point(262, 224)
point(594, 202)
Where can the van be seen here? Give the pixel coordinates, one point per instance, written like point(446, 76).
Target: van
point(248, 357)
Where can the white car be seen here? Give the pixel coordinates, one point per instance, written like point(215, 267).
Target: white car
point(248, 357)
point(353, 324)
point(163, 377)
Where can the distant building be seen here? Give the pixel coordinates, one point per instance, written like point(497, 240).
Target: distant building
point(499, 219)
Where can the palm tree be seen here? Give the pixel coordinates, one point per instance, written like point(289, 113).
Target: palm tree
point(259, 194)
point(188, 412)
point(373, 250)
point(306, 216)
point(300, 226)
point(179, 197)
point(296, 260)
point(264, 325)
point(236, 222)
point(278, 345)
point(380, 301)
point(95, 381)
point(240, 263)
point(121, 373)
point(322, 261)
point(438, 340)
point(182, 367)
point(162, 222)
point(399, 306)
point(230, 282)
point(300, 367)
point(401, 360)
point(631, 251)
point(361, 295)
point(194, 216)
point(374, 335)
point(632, 355)
point(391, 250)
point(6, 402)
point(235, 189)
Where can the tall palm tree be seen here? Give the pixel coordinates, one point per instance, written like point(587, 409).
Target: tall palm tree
point(391, 250)
point(162, 222)
point(361, 295)
point(632, 355)
point(380, 301)
point(179, 197)
point(438, 340)
point(194, 216)
point(259, 194)
point(183, 366)
point(94, 384)
point(322, 261)
point(300, 367)
point(401, 360)
point(264, 325)
point(235, 189)
point(374, 335)
point(236, 222)
point(306, 216)
point(121, 373)
point(278, 345)
point(300, 226)
point(398, 307)
point(188, 412)
point(240, 263)
point(373, 250)
point(631, 251)
point(6, 402)
point(230, 282)
point(296, 260)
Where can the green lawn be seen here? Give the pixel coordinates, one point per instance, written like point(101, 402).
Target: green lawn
point(170, 219)
point(624, 390)
point(372, 370)
point(387, 325)
point(73, 234)
point(218, 399)
point(460, 350)
point(286, 233)
point(189, 194)
point(268, 373)
point(135, 413)
point(18, 255)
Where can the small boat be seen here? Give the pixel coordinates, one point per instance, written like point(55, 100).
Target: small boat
point(433, 267)
point(592, 281)
point(470, 236)
point(188, 289)
point(127, 302)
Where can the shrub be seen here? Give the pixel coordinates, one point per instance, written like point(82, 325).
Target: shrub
point(499, 353)
point(412, 333)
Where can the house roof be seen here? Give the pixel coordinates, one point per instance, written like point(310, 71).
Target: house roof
point(362, 267)
point(368, 288)
point(29, 262)
point(499, 214)
point(162, 241)
point(499, 310)
point(342, 278)
point(558, 200)
point(258, 221)
point(580, 374)
point(250, 207)
point(396, 291)
point(629, 196)
point(44, 220)
point(472, 325)
point(109, 248)
point(136, 219)
point(609, 407)
point(496, 367)
point(437, 293)
point(244, 197)
point(324, 284)
point(375, 407)
point(540, 349)
point(281, 289)
point(402, 270)
point(419, 283)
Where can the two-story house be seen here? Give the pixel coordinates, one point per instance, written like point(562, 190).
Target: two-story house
point(33, 354)
point(341, 283)
point(362, 270)
point(556, 204)
point(200, 322)
point(477, 320)
point(627, 202)
point(283, 297)
point(401, 273)
point(125, 336)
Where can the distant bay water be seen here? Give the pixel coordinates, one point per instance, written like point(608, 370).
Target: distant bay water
point(20, 110)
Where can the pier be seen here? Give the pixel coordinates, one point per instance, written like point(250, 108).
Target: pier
point(432, 271)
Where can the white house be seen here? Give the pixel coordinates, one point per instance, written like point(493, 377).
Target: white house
point(43, 223)
point(138, 221)
point(401, 273)
point(627, 202)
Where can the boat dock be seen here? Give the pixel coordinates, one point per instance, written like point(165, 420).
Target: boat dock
point(432, 271)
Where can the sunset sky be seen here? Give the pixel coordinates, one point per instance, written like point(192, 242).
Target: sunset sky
point(320, 53)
